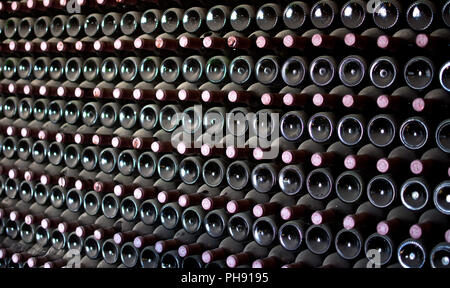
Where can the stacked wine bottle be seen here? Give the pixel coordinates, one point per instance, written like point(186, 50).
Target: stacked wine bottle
point(204, 134)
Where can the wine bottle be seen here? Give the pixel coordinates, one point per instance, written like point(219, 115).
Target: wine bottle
point(238, 174)
point(303, 42)
point(264, 177)
point(149, 211)
point(323, 13)
point(171, 20)
point(366, 157)
point(323, 70)
point(443, 77)
point(404, 38)
point(383, 72)
point(265, 229)
point(395, 101)
point(430, 223)
point(181, 237)
point(240, 225)
point(434, 101)
point(441, 193)
point(397, 222)
point(228, 246)
point(382, 129)
point(382, 191)
point(295, 14)
point(228, 194)
point(335, 209)
point(277, 257)
point(304, 152)
point(252, 198)
point(398, 159)
point(319, 183)
point(292, 234)
point(129, 23)
point(242, 17)
point(319, 238)
point(217, 18)
point(352, 70)
point(411, 253)
point(320, 127)
point(334, 155)
point(383, 243)
point(414, 133)
point(305, 259)
point(294, 70)
point(251, 251)
point(191, 219)
point(438, 255)
point(415, 193)
point(434, 40)
point(419, 72)
point(426, 164)
point(350, 129)
point(365, 215)
point(349, 186)
point(365, 40)
point(349, 243)
point(387, 14)
point(419, 15)
point(171, 215)
point(304, 206)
